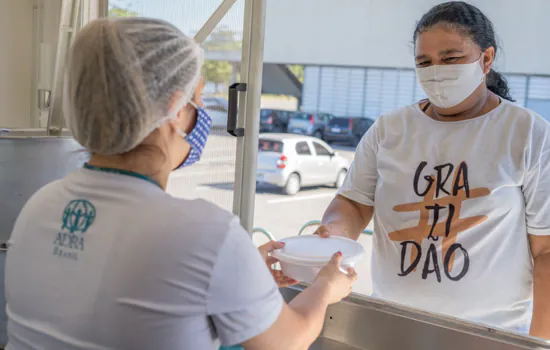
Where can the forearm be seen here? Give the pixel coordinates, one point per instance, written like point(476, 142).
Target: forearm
point(540, 325)
point(298, 325)
point(347, 218)
point(311, 305)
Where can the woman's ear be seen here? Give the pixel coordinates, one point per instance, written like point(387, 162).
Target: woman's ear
point(187, 118)
point(488, 59)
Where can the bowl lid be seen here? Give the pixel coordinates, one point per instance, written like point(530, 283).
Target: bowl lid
point(312, 249)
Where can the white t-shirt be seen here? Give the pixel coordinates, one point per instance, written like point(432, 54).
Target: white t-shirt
point(110, 261)
point(485, 182)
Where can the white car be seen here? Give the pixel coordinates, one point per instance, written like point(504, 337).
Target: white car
point(294, 161)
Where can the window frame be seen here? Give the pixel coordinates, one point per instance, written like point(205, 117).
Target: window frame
point(308, 147)
point(329, 152)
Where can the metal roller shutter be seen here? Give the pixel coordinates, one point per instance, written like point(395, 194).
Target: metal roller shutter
point(327, 89)
point(340, 93)
point(356, 92)
point(310, 88)
point(538, 96)
point(518, 87)
point(373, 92)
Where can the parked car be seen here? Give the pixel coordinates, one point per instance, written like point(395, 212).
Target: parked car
point(217, 109)
point(347, 129)
point(293, 161)
point(311, 124)
point(273, 120)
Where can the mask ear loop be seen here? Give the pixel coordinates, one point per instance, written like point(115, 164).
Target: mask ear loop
point(181, 132)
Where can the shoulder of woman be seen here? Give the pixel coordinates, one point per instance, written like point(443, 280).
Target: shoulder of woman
point(529, 118)
point(44, 195)
point(394, 122)
point(397, 116)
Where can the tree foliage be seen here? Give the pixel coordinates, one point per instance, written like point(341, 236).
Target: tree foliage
point(298, 71)
point(222, 39)
point(116, 10)
point(219, 72)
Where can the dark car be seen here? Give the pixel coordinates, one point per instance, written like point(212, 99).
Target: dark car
point(273, 120)
point(310, 124)
point(347, 129)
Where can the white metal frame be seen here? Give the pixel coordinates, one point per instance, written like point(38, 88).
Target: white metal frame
point(38, 34)
point(251, 71)
point(70, 19)
point(93, 9)
point(214, 20)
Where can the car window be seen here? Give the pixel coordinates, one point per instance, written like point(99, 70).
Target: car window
point(300, 116)
point(265, 113)
point(321, 150)
point(325, 118)
point(270, 146)
point(302, 148)
point(340, 122)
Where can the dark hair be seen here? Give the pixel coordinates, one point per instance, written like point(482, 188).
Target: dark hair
point(469, 20)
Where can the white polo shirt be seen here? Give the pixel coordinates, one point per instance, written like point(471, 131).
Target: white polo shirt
point(109, 261)
point(454, 203)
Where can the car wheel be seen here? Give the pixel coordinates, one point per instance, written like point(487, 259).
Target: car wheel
point(318, 134)
point(292, 185)
point(341, 178)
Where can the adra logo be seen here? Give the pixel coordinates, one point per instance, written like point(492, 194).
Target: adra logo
point(77, 218)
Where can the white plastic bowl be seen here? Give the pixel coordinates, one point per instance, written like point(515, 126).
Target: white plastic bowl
point(304, 256)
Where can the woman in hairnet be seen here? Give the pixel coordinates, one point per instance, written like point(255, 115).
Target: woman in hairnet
point(105, 259)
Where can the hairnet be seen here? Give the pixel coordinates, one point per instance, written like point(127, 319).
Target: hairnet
point(123, 76)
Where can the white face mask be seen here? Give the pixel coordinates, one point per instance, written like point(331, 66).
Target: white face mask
point(449, 85)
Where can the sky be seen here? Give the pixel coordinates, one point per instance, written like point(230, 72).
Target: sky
point(187, 15)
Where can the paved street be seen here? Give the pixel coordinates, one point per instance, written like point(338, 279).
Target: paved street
point(281, 215)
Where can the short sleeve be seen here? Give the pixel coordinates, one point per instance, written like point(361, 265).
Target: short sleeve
point(536, 184)
point(243, 298)
point(360, 183)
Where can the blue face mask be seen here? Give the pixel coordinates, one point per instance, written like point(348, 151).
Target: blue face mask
point(197, 137)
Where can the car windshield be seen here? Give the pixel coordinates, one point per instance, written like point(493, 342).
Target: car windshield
point(265, 113)
point(270, 146)
point(300, 116)
point(340, 122)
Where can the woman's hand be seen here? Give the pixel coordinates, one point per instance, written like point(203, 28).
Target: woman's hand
point(325, 231)
point(337, 284)
point(282, 280)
